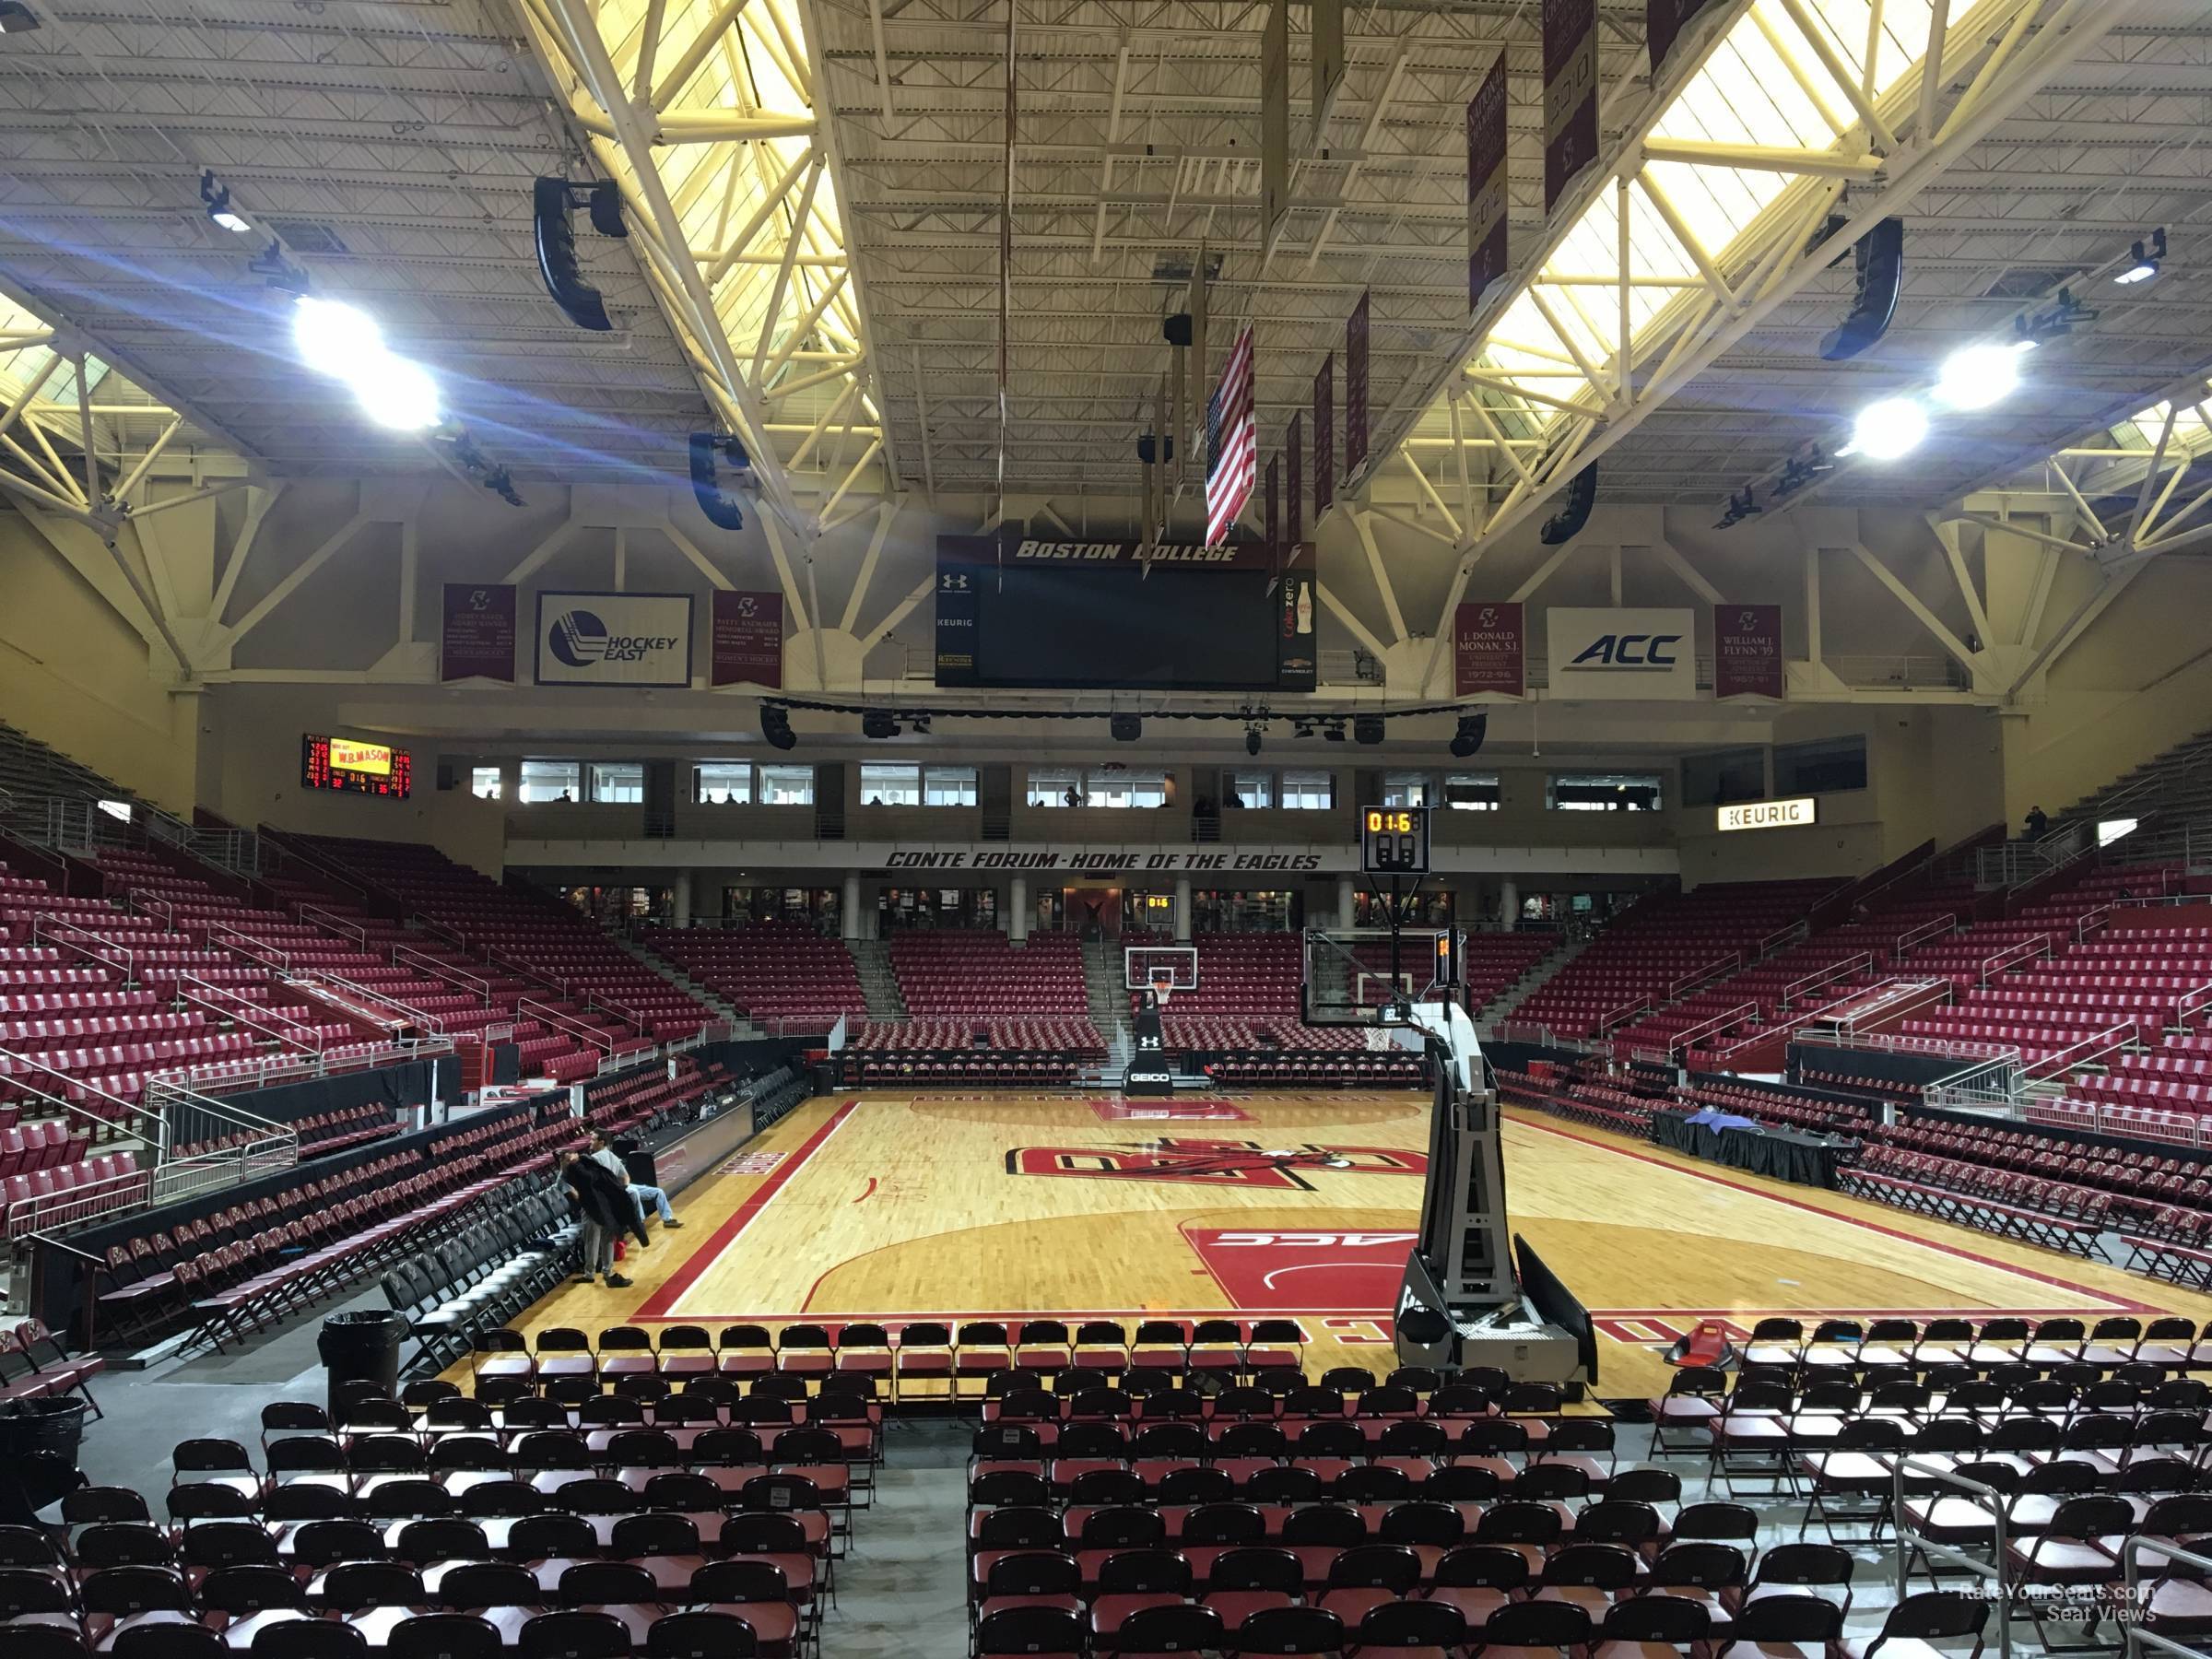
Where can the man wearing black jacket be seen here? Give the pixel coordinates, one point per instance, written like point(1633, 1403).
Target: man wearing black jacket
point(606, 1210)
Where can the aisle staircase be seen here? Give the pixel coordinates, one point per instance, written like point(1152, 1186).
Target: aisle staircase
point(1491, 1017)
point(878, 983)
point(1104, 978)
point(679, 979)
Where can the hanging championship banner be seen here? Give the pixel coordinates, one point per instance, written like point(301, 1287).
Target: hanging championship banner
point(1324, 437)
point(1489, 650)
point(1275, 123)
point(1355, 387)
point(1569, 93)
point(1664, 21)
point(1274, 515)
point(747, 641)
point(1191, 419)
point(1294, 459)
point(1747, 651)
point(1487, 199)
point(477, 641)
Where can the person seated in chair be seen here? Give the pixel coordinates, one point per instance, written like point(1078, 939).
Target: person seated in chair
point(606, 1210)
point(607, 1159)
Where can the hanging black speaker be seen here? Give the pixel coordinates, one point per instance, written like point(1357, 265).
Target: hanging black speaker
point(1176, 330)
point(724, 510)
point(578, 300)
point(1574, 508)
point(1880, 258)
point(1150, 448)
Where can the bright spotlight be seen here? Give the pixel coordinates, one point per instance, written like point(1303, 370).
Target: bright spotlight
point(396, 392)
point(1892, 427)
point(2141, 264)
point(1977, 376)
point(217, 198)
point(335, 339)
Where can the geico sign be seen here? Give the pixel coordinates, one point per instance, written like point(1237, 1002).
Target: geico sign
point(1769, 815)
point(1629, 651)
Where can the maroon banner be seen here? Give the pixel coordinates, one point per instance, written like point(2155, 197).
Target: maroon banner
point(1272, 513)
point(1294, 458)
point(1356, 328)
point(477, 638)
point(1486, 203)
point(1747, 651)
point(1569, 93)
point(1324, 436)
point(1489, 650)
point(748, 640)
point(1664, 21)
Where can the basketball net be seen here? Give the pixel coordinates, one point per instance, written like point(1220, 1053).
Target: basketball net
point(1163, 985)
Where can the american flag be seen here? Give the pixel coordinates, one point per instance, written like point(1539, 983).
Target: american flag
point(1232, 446)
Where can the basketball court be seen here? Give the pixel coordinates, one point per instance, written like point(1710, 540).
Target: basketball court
point(886, 1207)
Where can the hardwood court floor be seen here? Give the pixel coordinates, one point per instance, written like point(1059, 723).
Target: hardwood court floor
point(886, 1207)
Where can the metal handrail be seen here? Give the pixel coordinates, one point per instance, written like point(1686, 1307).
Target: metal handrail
point(403, 955)
point(330, 922)
point(87, 1200)
point(1913, 936)
point(141, 902)
point(567, 1025)
point(1825, 976)
point(2097, 1047)
point(1719, 967)
point(11, 1059)
point(2035, 945)
point(293, 1066)
point(1685, 1039)
point(1783, 937)
point(2132, 1552)
point(67, 935)
point(235, 1012)
point(404, 1012)
point(246, 944)
point(1906, 1541)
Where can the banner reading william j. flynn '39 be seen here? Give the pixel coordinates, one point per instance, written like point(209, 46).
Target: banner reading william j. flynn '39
point(642, 640)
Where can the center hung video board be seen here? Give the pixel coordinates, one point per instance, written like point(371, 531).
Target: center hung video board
point(1013, 612)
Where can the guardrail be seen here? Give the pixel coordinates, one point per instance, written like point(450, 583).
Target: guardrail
point(1719, 967)
point(2137, 1122)
point(2192, 1003)
point(190, 1119)
point(138, 901)
point(1907, 1543)
point(565, 1024)
point(1992, 1085)
point(1685, 1039)
point(247, 945)
point(330, 922)
point(1613, 1018)
point(1805, 987)
point(378, 1001)
point(1783, 936)
point(2085, 1052)
point(89, 1201)
point(1996, 962)
point(264, 1018)
point(17, 1068)
point(403, 955)
point(219, 1078)
point(1913, 936)
point(2135, 1636)
point(67, 935)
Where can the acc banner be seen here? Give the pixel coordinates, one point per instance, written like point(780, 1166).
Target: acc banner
point(1489, 651)
point(1747, 651)
point(1356, 331)
point(748, 641)
point(477, 640)
point(1486, 185)
point(1622, 655)
point(1324, 436)
point(1569, 93)
point(641, 640)
point(1664, 21)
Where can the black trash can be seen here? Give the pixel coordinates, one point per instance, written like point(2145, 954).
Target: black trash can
point(360, 1352)
point(39, 1442)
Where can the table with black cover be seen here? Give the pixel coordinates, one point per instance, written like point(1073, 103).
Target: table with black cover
point(1745, 1144)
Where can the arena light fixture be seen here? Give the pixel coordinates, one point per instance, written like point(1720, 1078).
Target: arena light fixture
point(1252, 739)
point(216, 198)
point(1889, 429)
point(876, 723)
point(776, 727)
point(1974, 377)
point(1366, 728)
point(2143, 263)
point(396, 393)
point(344, 342)
point(1468, 740)
point(334, 338)
point(1127, 728)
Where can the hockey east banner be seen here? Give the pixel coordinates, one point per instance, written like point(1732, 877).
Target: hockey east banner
point(1747, 651)
point(1489, 651)
point(642, 641)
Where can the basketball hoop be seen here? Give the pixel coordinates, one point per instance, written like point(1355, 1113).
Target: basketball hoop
point(1163, 985)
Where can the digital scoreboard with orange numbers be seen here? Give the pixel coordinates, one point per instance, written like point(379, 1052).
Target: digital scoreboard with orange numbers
point(363, 767)
point(1393, 841)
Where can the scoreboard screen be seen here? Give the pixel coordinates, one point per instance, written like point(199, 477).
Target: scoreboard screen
point(363, 767)
point(1393, 841)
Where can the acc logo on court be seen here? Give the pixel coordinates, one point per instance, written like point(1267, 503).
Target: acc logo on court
point(1214, 1163)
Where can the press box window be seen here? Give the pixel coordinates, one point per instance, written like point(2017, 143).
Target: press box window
point(550, 781)
point(484, 783)
point(622, 782)
point(948, 786)
point(1137, 789)
point(787, 786)
point(1049, 786)
point(1309, 791)
point(1822, 768)
point(1251, 788)
point(1408, 789)
point(723, 784)
point(1725, 775)
point(1473, 791)
point(1603, 792)
point(890, 786)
